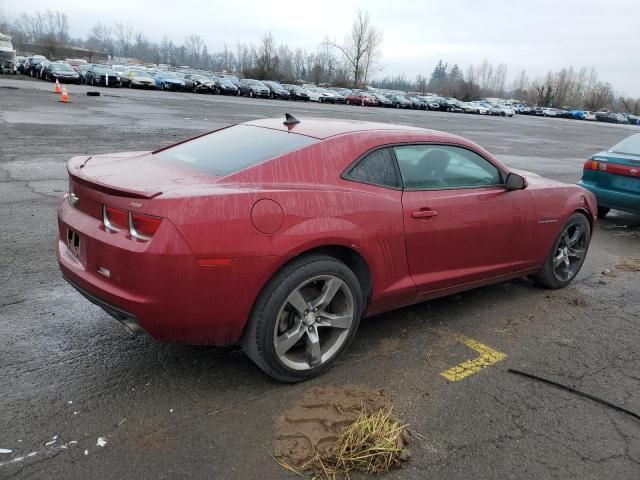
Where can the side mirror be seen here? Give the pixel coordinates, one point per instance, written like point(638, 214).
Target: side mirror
point(515, 182)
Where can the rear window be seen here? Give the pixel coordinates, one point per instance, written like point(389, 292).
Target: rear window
point(232, 149)
point(629, 146)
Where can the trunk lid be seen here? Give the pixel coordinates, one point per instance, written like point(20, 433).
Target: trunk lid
point(617, 171)
point(128, 180)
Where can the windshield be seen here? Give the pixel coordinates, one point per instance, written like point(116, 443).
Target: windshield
point(202, 78)
point(169, 75)
point(62, 67)
point(629, 146)
point(119, 69)
point(232, 149)
point(100, 69)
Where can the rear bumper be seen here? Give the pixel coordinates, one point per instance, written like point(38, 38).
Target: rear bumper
point(128, 320)
point(626, 202)
point(159, 286)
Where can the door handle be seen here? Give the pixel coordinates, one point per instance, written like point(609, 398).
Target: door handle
point(424, 214)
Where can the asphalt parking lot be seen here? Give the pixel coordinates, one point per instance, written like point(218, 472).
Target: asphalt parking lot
point(71, 378)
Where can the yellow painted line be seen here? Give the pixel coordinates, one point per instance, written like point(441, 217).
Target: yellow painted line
point(488, 356)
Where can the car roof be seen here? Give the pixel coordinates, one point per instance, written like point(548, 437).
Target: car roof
point(322, 128)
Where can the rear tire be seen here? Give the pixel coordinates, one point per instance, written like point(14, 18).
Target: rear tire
point(603, 211)
point(282, 339)
point(567, 254)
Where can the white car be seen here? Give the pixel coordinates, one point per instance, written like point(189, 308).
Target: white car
point(474, 107)
point(502, 110)
point(589, 116)
point(549, 112)
point(320, 95)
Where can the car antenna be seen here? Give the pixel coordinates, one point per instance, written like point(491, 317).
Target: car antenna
point(290, 120)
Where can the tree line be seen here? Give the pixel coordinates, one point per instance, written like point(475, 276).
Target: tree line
point(352, 62)
point(566, 87)
point(349, 63)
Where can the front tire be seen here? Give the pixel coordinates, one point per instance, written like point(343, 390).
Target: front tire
point(304, 319)
point(567, 254)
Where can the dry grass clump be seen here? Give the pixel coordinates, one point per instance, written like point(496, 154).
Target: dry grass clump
point(629, 265)
point(373, 443)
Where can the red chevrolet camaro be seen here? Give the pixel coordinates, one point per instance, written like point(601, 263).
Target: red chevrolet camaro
point(282, 235)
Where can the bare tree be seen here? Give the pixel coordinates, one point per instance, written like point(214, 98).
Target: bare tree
point(194, 46)
point(124, 37)
point(361, 48)
point(102, 35)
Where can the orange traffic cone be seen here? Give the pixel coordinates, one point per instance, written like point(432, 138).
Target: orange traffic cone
point(57, 90)
point(64, 98)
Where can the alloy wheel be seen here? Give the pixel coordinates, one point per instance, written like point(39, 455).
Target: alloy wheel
point(570, 252)
point(314, 322)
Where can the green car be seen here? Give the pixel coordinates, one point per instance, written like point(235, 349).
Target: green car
point(614, 177)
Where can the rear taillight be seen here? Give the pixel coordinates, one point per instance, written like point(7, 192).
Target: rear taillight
point(115, 219)
point(595, 165)
point(143, 227)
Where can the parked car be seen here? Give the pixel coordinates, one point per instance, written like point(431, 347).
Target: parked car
point(169, 81)
point(40, 68)
point(198, 83)
point(610, 117)
point(223, 86)
point(417, 103)
point(432, 104)
point(102, 75)
point(121, 72)
point(589, 116)
point(297, 92)
point(255, 88)
point(277, 90)
point(63, 72)
point(358, 97)
point(139, 78)
point(32, 63)
point(20, 64)
point(285, 257)
point(613, 176)
point(476, 107)
point(82, 72)
point(400, 101)
point(502, 110)
point(339, 96)
point(383, 101)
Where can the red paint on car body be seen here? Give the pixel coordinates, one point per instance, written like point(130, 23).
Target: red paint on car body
point(268, 213)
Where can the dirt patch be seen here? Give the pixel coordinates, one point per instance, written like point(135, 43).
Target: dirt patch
point(316, 421)
point(629, 264)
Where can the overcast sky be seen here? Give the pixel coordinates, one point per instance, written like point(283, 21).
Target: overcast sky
point(537, 35)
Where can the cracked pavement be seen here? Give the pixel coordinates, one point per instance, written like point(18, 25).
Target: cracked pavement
point(67, 370)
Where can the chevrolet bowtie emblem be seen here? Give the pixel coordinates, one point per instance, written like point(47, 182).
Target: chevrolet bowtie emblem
point(73, 199)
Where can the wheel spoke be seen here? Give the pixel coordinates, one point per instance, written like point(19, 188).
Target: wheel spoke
point(287, 340)
point(335, 321)
point(577, 233)
point(314, 353)
point(297, 301)
point(557, 260)
point(576, 252)
point(329, 291)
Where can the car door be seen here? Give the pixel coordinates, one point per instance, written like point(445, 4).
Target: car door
point(461, 223)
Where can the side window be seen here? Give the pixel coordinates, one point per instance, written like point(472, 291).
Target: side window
point(441, 167)
point(378, 167)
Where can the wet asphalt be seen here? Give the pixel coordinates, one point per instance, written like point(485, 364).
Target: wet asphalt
point(81, 398)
